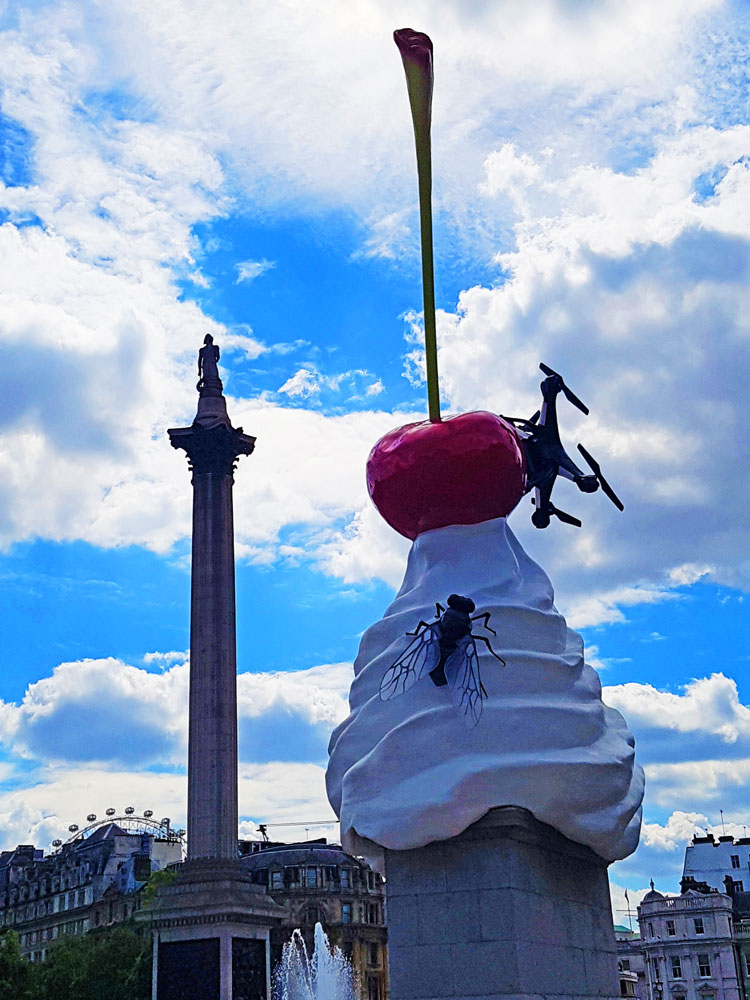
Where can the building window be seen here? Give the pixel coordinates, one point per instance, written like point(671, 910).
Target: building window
point(311, 878)
point(698, 923)
point(311, 915)
point(277, 879)
point(346, 913)
point(373, 988)
point(704, 966)
point(735, 861)
point(347, 949)
point(374, 956)
point(345, 880)
point(625, 965)
point(676, 967)
point(737, 886)
point(650, 929)
point(670, 928)
point(81, 897)
point(747, 964)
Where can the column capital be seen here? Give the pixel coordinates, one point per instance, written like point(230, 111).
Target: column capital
point(213, 449)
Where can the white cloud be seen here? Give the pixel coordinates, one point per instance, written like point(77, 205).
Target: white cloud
point(98, 725)
point(712, 784)
point(688, 573)
point(92, 711)
point(249, 270)
point(366, 549)
point(709, 705)
point(318, 695)
point(56, 796)
point(171, 656)
point(677, 832)
point(608, 213)
point(303, 383)
point(238, 339)
point(605, 608)
point(307, 383)
point(389, 237)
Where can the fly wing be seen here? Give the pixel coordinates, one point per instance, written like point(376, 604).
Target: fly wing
point(422, 653)
point(464, 680)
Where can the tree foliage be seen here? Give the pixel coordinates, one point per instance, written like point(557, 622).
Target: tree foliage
point(157, 880)
point(109, 964)
point(15, 971)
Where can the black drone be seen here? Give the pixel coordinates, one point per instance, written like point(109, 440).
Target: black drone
point(447, 651)
point(546, 459)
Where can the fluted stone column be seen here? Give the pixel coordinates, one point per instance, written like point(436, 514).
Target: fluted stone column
point(211, 928)
point(213, 447)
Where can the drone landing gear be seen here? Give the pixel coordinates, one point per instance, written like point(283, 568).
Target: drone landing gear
point(540, 519)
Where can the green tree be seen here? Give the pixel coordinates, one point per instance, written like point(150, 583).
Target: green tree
point(111, 964)
point(157, 879)
point(16, 974)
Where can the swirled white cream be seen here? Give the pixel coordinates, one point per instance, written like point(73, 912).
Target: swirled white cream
point(405, 772)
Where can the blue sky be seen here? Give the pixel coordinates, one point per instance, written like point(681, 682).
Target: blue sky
point(249, 171)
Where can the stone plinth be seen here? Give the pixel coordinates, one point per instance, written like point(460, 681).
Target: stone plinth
point(509, 909)
point(211, 934)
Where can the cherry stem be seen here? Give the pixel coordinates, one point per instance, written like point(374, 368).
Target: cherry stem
point(419, 85)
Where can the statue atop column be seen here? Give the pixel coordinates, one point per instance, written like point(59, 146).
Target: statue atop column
point(209, 383)
point(211, 443)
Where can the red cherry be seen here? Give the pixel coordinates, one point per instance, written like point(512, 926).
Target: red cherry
point(461, 470)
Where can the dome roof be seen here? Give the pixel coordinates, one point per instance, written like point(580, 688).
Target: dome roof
point(299, 854)
point(653, 896)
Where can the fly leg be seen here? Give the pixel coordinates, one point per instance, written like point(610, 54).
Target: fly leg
point(420, 628)
point(481, 638)
point(486, 616)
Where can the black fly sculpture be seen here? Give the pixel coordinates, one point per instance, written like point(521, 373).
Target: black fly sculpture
point(546, 459)
point(445, 649)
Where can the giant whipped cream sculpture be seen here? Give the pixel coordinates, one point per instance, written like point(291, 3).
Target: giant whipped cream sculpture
point(453, 712)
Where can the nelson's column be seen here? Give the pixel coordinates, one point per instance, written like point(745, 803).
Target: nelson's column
point(211, 928)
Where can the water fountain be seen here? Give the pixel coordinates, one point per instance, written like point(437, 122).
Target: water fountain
point(324, 975)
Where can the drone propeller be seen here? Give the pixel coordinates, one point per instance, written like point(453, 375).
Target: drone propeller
point(594, 465)
point(566, 518)
point(569, 395)
point(522, 422)
point(551, 509)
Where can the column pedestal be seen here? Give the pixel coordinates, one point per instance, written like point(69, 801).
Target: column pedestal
point(508, 910)
point(211, 934)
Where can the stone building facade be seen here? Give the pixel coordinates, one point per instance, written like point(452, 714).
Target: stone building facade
point(319, 882)
point(714, 861)
point(689, 946)
point(631, 963)
point(89, 882)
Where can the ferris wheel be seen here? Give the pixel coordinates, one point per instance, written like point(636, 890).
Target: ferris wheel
point(130, 822)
